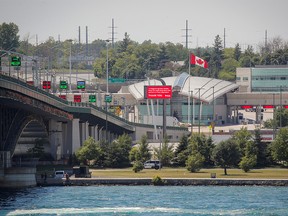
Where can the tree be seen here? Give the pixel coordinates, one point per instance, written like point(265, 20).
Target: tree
point(181, 153)
point(281, 115)
point(123, 45)
point(141, 152)
point(144, 152)
point(262, 150)
point(249, 160)
point(217, 56)
point(226, 154)
point(279, 146)
point(237, 52)
point(89, 151)
point(117, 153)
point(195, 162)
point(241, 137)
point(9, 40)
point(38, 149)
point(199, 143)
point(165, 152)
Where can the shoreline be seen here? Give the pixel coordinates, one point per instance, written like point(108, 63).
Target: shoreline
point(166, 182)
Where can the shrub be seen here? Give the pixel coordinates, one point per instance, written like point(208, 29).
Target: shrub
point(157, 181)
point(195, 162)
point(248, 163)
point(138, 166)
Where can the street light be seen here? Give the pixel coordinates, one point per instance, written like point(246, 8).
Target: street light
point(199, 116)
point(107, 65)
point(107, 90)
point(70, 65)
point(192, 117)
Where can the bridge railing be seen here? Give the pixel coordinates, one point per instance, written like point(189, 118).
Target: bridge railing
point(75, 104)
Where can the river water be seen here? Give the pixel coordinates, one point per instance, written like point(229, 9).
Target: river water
point(146, 200)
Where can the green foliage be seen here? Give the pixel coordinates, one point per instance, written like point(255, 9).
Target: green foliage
point(89, 151)
point(237, 52)
point(247, 163)
point(241, 137)
point(281, 115)
point(117, 153)
point(144, 152)
point(9, 40)
point(141, 152)
point(249, 160)
point(279, 146)
point(134, 154)
point(203, 145)
point(217, 56)
point(181, 153)
point(38, 149)
point(138, 166)
point(195, 162)
point(158, 181)
point(226, 154)
point(165, 152)
point(263, 153)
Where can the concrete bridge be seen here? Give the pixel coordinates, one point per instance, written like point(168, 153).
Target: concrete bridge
point(28, 113)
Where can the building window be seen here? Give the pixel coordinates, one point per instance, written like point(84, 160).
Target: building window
point(238, 78)
point(283, 78)
point(245, 78)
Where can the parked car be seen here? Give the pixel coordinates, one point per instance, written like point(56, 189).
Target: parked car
point(59, 174)
point(152, 164)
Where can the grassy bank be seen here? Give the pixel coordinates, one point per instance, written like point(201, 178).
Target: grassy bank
point(184, 173)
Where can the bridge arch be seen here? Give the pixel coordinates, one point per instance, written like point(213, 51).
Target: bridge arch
point(21, 132)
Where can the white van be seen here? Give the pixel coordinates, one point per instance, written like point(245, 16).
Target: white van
point(152, 164)
point(59, 174)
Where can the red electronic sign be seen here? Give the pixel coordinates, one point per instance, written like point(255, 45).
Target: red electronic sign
point(268, 106)
point(63, 97)
point(285, 106)
point(246, 107)
point(46, 85)
point(77, 98)
point(157, 92)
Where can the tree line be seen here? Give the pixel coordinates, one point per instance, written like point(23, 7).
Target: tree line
point(132, 60)
point(244, 150)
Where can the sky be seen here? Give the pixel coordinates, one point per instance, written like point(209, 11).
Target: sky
point(244, 21)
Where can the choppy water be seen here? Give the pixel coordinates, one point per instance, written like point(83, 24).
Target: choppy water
point(146, 200)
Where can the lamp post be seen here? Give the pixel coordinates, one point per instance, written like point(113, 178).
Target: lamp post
point(107, 90)
point(107, 67)
point(192, 117)
point(199, 116)
point(274, 121)
point(280, 107)
point(160, 147)
point(70, 65)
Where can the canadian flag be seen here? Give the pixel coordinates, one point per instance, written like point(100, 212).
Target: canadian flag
point(198, 61)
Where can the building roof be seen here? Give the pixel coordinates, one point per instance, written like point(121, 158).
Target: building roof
point(210, 88)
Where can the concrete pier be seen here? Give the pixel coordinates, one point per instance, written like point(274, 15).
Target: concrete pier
point(18, 177)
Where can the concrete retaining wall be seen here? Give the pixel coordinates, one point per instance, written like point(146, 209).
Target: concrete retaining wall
point(171, 182)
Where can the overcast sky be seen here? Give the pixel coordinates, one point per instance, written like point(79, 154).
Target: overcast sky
point(245, 21)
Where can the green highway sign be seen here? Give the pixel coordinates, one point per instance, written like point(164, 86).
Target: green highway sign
point(108, 98)
point(15, 61)
point(63, 84)
point(116, 80)
point(80, 84)
point(92, 98)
